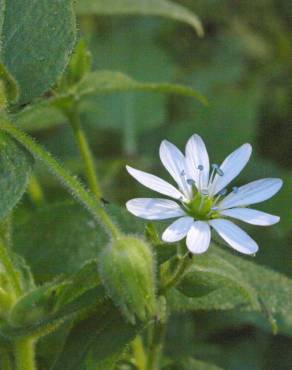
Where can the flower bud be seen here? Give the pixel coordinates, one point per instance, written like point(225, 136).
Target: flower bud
point(126, 268)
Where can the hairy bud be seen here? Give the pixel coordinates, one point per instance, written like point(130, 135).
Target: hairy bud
point(127, 270)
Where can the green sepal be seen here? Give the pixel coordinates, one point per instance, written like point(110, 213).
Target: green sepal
point(126, 267)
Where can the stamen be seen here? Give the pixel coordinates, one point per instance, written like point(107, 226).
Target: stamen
point(235, 189)
point(222, 192)
point(200, 167)
point(204, 192)
point(214, 208)
point(191, 182)
point(220, 172)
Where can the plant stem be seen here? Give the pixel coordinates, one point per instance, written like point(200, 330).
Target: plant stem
point(158, 333)
point(35, 191)
point(25, 354)
point(180, 269)
point(139, 353)
point(85, 153)
point(68, 180)
point(8, 265)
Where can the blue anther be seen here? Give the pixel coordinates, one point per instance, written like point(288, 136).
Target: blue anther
point(223, 191)
point(235, 189)
point(191, 182)
point(200, 167)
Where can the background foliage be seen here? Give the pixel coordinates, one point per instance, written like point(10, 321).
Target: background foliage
point(242, 67)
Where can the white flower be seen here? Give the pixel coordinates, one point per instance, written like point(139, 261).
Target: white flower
point(200, 203)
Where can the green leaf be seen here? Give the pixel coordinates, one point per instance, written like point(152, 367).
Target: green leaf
point(46, 114)
point(63, 232)
point(240, 284)
point(36, 43)
point(53, 234)
point(193, 364)
point(103, 82)
point(162, 8)
point(15, 167)
point(97, 342)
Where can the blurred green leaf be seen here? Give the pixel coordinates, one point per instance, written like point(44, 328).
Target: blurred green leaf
point(53, 234)
point(63, 232)
point(94, 343)
point(245, 285)
point(162, 8)
point(193, 364)
point(15, 167)
point(36, 43)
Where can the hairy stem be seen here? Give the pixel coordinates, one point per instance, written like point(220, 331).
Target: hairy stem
point(85, 152)
point(24, 351)
point(68, 180)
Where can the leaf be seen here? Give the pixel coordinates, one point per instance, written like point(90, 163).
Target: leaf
point(94, 343)
point(44, 308)
point(245, 285)
point(53, 234)
point(46, 114)
point(63, 232)
point(103, 82)
point(15, 167)
point(162, 8)
point(37, 39)
point(193, 364)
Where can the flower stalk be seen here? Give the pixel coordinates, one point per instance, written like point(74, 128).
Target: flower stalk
point(85, 152)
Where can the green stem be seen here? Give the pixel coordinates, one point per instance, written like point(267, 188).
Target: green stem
point(25, 354)
point(180, 270)
point(139, 353)
point(156, 344)
point(8, 265)
point(35, 191)
point(68, 180)
point(85, 153)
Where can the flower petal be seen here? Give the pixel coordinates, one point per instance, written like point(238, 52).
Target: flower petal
point(177, 230)
point(197, 155)
point(251, 193)
point(198, 238)
point(231, 167)
point(235, 236)
point(174, 161)
point(154, 209)
point(155, 183)
point(251, 216)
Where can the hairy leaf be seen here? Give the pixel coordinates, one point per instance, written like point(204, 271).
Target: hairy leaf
point(162, 8)
point(240, 284)
point(37, 39)
point(15, 167)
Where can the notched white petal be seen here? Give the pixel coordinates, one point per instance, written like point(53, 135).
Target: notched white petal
point(231, 167)
point(197, 155)
point(155, 183)
point(154, 208)
point(235, 236)
point(251, 193)
point(198, 237)
point(174, 162)
point(177, 230)
point(251, 216)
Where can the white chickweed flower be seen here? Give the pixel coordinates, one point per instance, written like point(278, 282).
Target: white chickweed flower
point(201, 200)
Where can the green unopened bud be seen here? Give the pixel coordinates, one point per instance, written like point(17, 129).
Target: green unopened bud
point(127, 270)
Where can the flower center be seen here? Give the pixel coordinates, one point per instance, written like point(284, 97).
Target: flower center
point(200, 207)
